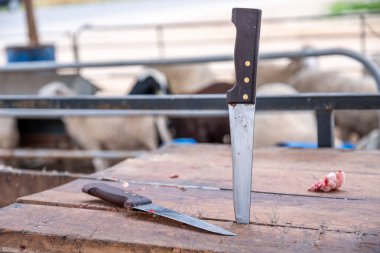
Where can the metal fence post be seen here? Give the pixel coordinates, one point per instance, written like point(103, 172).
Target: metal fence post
point(160, 41)
point(363, 34)
point(325, 128)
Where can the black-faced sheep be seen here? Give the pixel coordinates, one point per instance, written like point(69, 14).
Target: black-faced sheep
point(106, 133)
point(187, 78)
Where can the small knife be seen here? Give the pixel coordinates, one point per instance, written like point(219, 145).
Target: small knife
point(136, 202)
point(241, 105)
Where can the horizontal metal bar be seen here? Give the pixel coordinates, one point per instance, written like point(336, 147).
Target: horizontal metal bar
point(304, 101)
point(195, 24)
point(57, 113)
point(47, 65)
point(39, 66)
point(320, 101)
point(93, 27)
point(68, 154)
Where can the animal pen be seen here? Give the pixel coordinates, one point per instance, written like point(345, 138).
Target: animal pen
point(324, 106)
point(191, 105)
point(70, 203)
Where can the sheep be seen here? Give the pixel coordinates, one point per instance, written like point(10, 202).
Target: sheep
point(186, 78)
point(9, 135)
point(301, 73)
point(203, 129)
point(300, 126)
point(106, 133)
point(328, 81)
point(149, 82)
point(304, 75)
point(353, 124)
point(269, 72)
point(191, 78)
point(303, 124)
point(272, 128)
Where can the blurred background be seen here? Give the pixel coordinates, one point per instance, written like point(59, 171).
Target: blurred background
point(90, 31)
point(86, 31)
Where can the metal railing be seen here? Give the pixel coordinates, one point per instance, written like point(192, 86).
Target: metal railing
point(324, 110)
point(159, 29)
point(205, 106)
point(190, 105)
point(372, 68)
point(68, 154)
point(364, 32)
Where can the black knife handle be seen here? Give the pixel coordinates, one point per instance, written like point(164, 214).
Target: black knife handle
point(247, 23)
point(115, 195)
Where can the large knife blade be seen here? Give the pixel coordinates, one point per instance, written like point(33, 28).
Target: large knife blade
point(136, 202)
point(241, 103)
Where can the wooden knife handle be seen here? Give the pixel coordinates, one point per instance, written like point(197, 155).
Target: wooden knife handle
point(115, 195)
point(247, 23)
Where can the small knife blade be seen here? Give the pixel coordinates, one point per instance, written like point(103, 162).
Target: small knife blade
point(136, 202)
point(241, 103)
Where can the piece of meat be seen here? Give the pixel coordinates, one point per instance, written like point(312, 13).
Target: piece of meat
point(331, 182)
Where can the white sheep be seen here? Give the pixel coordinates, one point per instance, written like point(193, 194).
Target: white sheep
point(353, 124)
point(106, 133)
point(274, 127)
point(276, 72)
point(187, 78)
point(333, 82)
point(9, 135)
point(191, 78)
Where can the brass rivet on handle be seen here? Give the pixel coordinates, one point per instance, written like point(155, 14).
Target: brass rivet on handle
point(247, 63)
point(246, 79)
point(245, 96)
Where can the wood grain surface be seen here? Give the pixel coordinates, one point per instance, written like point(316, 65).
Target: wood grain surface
point(195, 180)
point(267, 209)
point(289, 171)
point(59, 229)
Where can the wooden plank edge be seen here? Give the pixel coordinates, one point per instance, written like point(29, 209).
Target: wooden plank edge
point(45, 199)
point(40, 233)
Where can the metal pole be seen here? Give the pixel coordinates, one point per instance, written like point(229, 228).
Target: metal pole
point(31, 23)
point(363, 34)
point(57, 113)
point(160, 41)
point(75, 47)
point(68, 154)
point(372, 68)
point(325, 126)
point(75, 41)
point(192, 103)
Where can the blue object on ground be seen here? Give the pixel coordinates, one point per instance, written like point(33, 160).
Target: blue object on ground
point(28, 53)
point(294, 144)
point(347, 145)
point(184, 141)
